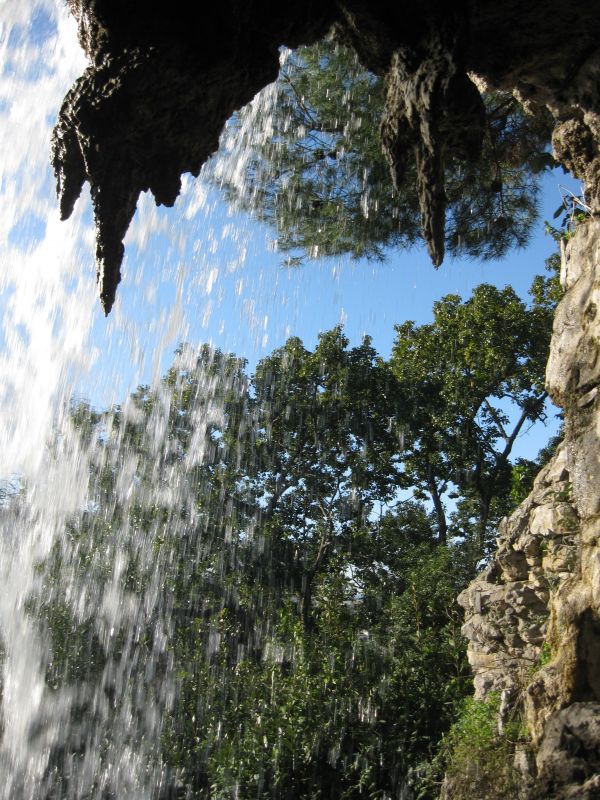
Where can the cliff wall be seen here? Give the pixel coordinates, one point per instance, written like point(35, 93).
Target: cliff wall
point(533, 616)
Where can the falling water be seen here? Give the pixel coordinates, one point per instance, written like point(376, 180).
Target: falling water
point(108, 521)
point(45, 327)
point(77, 572)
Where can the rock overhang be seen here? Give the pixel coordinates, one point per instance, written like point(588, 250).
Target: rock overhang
point(163, 81)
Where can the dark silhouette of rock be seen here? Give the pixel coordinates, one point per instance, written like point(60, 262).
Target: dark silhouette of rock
point(163, 80)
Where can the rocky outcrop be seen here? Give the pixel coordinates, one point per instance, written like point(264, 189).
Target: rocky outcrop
point(433, 110)
point(153, 102)
point(164, 79)
point(533, 617)
point(508, 606)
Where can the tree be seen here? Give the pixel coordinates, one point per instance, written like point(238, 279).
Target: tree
point(264, 566)
point(323, 447)
point(307, 160)
point(250, 571)
point(473, 378)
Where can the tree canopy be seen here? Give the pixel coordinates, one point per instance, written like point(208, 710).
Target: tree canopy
point(306, 159)
point(286, 548)
point(475, 377)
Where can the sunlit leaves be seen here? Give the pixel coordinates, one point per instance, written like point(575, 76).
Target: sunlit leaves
point(279, 536)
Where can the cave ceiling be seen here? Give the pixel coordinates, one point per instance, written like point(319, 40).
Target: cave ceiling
point(163, 80)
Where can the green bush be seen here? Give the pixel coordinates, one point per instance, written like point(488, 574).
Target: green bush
point(477, 757)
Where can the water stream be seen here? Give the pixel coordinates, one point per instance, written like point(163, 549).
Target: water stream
point(86, 723)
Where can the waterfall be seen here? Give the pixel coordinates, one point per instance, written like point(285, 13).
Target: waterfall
point(89, 723)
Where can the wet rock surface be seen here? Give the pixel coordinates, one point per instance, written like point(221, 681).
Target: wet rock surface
point(163, 81)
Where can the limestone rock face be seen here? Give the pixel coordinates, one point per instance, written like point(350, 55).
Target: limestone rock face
point(533, 617)
point(573, 372)
point(508, 606)
point(163, 80)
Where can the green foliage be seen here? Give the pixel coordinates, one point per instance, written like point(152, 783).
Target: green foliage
point(524, 471)
point(472, 380)
point(545, 655)
point(342, 711)
point(325, 681)
point(522, 476)
point(298, 605)
point(312, 167)
point(546, 291)
point(477, 758)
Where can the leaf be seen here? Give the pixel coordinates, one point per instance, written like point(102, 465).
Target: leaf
point(558, 211)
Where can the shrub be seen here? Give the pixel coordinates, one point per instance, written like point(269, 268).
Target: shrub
point(477, 757)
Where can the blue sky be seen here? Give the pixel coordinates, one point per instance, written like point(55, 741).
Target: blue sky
point(236, 295)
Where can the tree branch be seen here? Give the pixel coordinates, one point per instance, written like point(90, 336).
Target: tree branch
point(496, 418)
